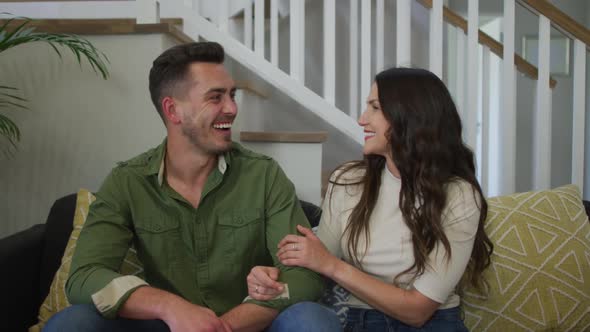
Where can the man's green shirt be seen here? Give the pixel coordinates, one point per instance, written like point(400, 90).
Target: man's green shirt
point(201, 254)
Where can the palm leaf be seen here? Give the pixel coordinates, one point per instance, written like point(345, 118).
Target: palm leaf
point(19, 33)
point(11, 134)
point(13, 32)
point(9, 99)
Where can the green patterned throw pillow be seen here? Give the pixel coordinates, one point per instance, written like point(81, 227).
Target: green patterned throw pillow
point(56, 300)
point(539, 278)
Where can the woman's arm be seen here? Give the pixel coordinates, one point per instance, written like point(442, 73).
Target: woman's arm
point(408, 306)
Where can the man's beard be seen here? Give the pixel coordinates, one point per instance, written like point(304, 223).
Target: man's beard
point(200, 142)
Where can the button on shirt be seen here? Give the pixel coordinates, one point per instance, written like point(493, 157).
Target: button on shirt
point(203, 255)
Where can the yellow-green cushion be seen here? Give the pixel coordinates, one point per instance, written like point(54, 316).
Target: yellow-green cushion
point(539, 279)
point(56, 300)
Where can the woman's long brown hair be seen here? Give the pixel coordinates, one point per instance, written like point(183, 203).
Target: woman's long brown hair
point(428, 150)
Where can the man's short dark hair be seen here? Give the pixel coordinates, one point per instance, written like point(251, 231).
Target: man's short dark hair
point(171, 68)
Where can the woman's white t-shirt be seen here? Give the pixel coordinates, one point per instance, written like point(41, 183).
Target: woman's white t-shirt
point(390, 251)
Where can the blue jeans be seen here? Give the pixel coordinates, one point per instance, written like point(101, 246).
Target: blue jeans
point(306, 317)
point(301, 317)
point(367, 320)
point(85, 317)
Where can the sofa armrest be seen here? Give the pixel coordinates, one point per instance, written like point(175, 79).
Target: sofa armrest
point(20, 256)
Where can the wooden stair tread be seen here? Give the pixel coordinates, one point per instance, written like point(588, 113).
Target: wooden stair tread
point(119, 26)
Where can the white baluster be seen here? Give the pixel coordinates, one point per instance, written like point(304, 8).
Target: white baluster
point(379, 34)
point(222, 15)
point(507, 127)
point(460, 74)
point(330, 50)
point(297, 30)
point(259, 27)
point(274, 32)
point(578, 113)
point(471, 110)
point(485, 118)
point(542, 119)
point(196, 7)
point(354, 57)
point(404, 34)
point(302, 40)
point(436, 38)
point(148, 11)
point(451, 58)
point(248, 26)
point(365, 80)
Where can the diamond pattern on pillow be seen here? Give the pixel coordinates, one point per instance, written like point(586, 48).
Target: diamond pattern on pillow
point(539, 279)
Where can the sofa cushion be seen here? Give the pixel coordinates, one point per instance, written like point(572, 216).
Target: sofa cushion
point(56, 300)
point(539, 278)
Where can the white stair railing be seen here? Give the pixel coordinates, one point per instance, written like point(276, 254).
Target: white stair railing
point(251, 51)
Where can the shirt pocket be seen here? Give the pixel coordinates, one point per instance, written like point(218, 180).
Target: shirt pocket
point(158, 242)
point(243, 236)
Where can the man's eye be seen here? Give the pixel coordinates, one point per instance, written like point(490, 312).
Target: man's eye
point(216, 97)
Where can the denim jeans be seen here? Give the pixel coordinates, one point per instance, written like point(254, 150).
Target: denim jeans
point(306, 317)
point(367, 320)
point(85, 317)
point(300, 317)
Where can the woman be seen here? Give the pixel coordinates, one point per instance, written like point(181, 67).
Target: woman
point(408, 220)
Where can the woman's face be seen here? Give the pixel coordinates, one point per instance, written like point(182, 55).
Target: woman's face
point(375, 126)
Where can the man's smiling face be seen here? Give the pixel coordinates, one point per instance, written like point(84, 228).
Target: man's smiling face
point(207, 107)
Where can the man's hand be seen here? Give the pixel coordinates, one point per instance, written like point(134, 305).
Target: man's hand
point(184, 316)
point(180, 315)
point(262, 284)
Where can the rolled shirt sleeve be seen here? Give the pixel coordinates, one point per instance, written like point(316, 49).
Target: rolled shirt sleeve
point(283, 214)
point(100, 250)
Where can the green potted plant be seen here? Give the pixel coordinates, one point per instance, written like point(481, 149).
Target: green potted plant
point(16, 31)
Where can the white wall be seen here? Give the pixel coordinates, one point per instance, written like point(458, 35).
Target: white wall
point(78, 125)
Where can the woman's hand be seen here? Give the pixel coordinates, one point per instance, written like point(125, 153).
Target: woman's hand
point(306, 251)
point(262, 284)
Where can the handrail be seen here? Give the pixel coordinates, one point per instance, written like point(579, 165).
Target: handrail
point(521, 64)
point(559, 19)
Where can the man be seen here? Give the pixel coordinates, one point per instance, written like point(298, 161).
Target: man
point(200, 210)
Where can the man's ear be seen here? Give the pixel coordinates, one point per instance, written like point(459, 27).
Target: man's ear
point(170, 111)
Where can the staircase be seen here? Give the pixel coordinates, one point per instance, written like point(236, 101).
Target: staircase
point(314, 62)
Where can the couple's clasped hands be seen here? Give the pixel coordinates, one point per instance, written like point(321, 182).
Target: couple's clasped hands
point(305, 251)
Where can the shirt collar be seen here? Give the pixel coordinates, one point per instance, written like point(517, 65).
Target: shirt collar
point(160, 158)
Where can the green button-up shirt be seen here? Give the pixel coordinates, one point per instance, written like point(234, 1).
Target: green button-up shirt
point(204, 255)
